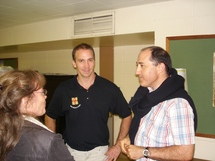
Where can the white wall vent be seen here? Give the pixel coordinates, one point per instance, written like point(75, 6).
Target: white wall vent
point(94, 25)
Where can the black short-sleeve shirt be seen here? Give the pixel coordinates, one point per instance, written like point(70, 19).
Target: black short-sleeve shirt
point(87, 111)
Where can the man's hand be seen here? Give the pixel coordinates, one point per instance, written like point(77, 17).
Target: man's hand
point(134, 152)
point(113, 153)
point(124, 143)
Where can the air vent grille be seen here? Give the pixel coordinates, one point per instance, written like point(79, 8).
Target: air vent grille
point(94, 25)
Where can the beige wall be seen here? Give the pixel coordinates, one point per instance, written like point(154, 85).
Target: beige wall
point(51, 61)
point(172, 18)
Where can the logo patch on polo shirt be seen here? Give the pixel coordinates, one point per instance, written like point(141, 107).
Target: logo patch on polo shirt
point(74, 101)
point(75, 104)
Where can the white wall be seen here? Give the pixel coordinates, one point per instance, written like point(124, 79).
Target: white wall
point(205, 148)
point(58, 29)
point(172, 18)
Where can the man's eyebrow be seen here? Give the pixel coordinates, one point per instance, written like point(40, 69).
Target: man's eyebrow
point(141, 63)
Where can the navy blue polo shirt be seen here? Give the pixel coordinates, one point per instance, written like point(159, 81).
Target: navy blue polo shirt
point(87, 111)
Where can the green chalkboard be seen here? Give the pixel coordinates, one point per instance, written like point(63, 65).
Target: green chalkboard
point(196, 55)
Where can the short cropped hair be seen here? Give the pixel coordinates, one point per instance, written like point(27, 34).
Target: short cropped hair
point(82, 46)
point(159, 55)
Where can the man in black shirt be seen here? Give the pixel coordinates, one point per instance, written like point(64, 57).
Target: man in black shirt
point(86, 101)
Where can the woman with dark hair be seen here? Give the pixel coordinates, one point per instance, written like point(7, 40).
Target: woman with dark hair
point(22, 136)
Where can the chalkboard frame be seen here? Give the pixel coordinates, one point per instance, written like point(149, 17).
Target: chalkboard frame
point(191, 37)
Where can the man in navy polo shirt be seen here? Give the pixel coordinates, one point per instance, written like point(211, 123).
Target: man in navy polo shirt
point(86, 100)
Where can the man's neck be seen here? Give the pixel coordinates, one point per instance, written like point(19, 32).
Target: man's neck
point(86, 82)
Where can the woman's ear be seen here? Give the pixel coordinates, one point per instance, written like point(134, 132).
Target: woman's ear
point(23, 105)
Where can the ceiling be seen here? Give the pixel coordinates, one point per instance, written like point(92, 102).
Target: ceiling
point(18, 12)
